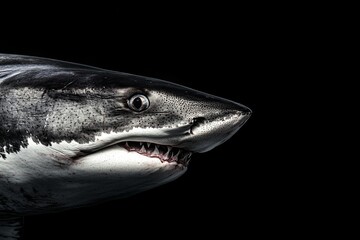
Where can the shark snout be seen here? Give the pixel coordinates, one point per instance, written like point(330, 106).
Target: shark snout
point(242, 112)
point(215, 125)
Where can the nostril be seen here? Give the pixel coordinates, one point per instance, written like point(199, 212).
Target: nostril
point(198, 120)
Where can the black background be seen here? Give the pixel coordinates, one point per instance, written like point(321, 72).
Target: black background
point(233, 190)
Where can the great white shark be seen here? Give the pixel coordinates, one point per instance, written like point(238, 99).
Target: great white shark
point(73, 135)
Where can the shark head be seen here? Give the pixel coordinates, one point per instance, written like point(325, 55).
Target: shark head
point(73, 135)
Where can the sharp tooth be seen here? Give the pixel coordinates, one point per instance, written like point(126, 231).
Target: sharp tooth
point(141, 143)
point(169, 154)
point(148, 144)
point(156, 151)
point(142, 150)
point(176, 156)
point(183, 158)
point(171, 158)
point(126, 144)
point(166, 155)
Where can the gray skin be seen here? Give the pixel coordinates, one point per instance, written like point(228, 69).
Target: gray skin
point(61, 125)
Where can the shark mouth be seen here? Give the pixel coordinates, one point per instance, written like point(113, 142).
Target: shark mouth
point(164, 153)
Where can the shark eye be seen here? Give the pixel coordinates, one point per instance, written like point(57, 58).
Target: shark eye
point(139, 102)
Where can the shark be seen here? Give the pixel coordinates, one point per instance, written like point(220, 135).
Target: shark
point(72, 135)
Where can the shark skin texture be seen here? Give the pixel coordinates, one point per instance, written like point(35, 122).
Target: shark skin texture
point(73, 135)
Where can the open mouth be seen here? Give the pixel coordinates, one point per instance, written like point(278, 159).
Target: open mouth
point(164, 153)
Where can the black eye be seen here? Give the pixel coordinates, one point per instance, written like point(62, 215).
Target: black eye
point(139, 102)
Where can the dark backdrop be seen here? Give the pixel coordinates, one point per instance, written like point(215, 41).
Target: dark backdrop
point(231, 190)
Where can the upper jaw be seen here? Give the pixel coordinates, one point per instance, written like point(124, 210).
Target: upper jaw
point(200, 135)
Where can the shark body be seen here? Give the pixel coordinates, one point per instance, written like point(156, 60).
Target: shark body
point(73, 135)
